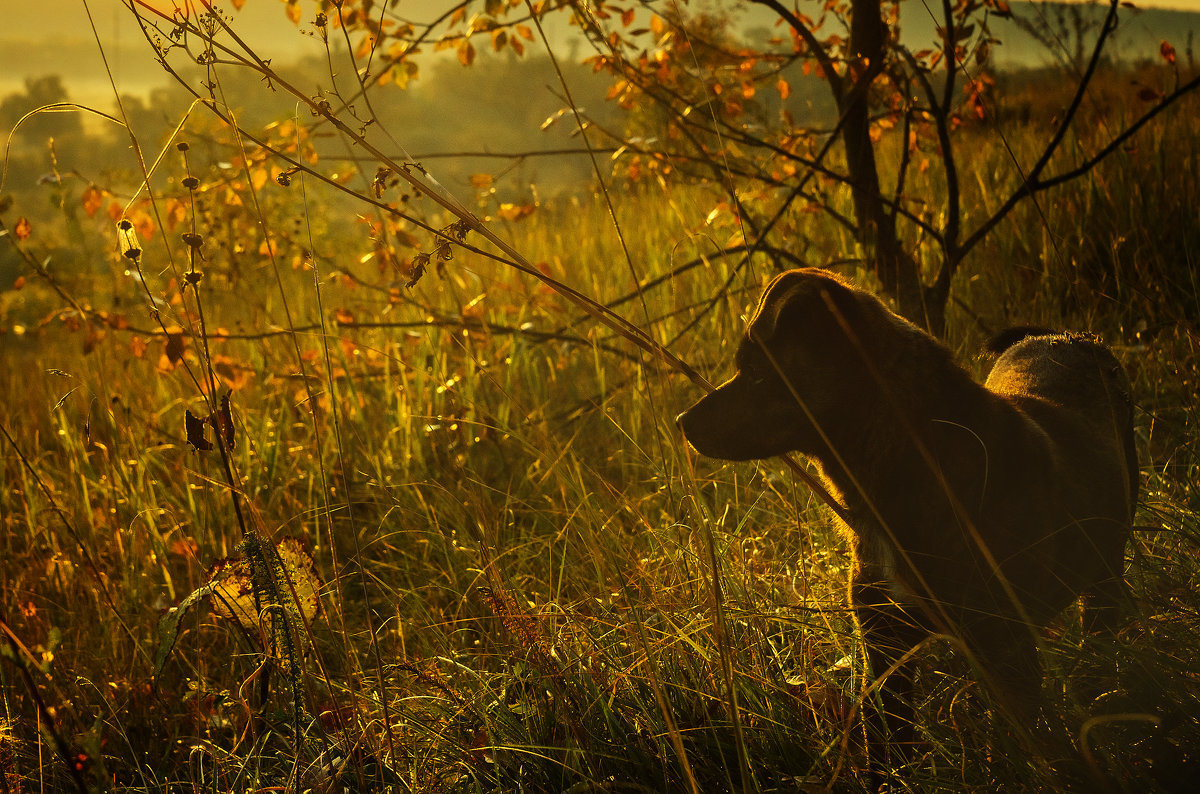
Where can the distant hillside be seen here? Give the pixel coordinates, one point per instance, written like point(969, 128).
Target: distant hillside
point(1138, 35)
point(454, 110)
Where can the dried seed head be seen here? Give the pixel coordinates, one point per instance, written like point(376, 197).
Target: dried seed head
point(127, 240)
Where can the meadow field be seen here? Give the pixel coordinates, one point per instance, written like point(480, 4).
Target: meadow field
point(272, 519)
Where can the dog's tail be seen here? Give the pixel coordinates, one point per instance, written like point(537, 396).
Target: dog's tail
point(1005, 339)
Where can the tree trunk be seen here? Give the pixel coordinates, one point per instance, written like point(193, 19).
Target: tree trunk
point(897, 271)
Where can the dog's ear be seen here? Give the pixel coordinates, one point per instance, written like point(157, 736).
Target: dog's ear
point(809, 298)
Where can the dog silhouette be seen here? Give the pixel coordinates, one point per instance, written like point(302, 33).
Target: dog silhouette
point(974, 510)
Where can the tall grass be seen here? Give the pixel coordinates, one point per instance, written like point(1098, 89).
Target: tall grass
point(529, 582)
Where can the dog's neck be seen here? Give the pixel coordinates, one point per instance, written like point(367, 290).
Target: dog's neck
point(891, 441)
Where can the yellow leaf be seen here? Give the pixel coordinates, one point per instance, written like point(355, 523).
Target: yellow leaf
point(365, 45)
point(466, 53)
point(233, 592)
point(259, 177)
point(300, 577)
point(291, 575)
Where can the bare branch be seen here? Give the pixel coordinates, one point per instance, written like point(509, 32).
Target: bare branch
point(815, 47)
point(1031, 182)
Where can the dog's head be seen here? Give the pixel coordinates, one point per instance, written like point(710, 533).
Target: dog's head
point(799, 366)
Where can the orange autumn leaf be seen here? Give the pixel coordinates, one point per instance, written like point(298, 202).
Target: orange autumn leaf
point(137, 347)
point(23, 229)
point(188, 547)
point(514, 212)
point(232, 373)
point(146, 227)
point(92, 198)
point(1167, 50)
point(176, 213)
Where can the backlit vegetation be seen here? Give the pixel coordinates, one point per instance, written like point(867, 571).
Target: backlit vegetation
point(305, 485)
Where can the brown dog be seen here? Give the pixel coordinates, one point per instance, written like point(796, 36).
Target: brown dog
point(975, 511)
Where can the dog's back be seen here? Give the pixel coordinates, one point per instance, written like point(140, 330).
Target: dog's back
point(1073, 370)
point(1065, 375)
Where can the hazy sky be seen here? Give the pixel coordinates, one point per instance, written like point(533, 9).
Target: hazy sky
point(32, 45)
point(41, 37)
